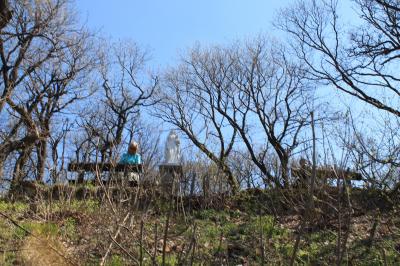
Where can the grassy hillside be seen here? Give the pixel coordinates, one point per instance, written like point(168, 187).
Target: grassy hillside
point(238, 230)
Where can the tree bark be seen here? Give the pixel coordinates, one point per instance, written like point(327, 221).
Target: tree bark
point(285, 170)
point(232, 181)
point(18, 173)
point(41, 157)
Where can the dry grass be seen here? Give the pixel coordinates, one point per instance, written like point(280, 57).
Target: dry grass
point(39, 251)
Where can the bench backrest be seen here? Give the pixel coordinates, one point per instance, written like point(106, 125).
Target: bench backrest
point(105, 167)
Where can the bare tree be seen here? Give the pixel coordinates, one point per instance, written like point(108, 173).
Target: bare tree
point(47, 93)
point(42, 52)
point(113, 115)
point(191, 102)
point(35, 33)
point(67, 80)
point(374, 149)
point(275, 98)
point(241, 91)
point(125, 90)
point(363, 65)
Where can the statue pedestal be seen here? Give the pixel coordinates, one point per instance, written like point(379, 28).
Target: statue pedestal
point(170, 175)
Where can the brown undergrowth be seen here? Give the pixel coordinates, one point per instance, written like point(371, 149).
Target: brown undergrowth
point(237, 230)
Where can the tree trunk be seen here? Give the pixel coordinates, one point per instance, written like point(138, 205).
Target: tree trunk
point(18, 173)
point(41, 157)
point(285, 170)
point(233, 183)
point(5, 14)
point(2, 160)
point(206, 186)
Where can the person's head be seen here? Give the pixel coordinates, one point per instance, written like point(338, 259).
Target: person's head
point(133, 147)
point(303, 162)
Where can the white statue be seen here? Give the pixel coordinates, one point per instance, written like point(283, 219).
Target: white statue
point(172, 149)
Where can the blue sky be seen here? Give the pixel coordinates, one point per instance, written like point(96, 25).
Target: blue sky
point(168, 27)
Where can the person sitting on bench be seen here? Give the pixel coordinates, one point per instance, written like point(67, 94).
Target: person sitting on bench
point(132, 157)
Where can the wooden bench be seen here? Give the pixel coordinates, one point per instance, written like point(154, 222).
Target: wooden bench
point(302, 175)
point(325, 173)
point(102, 167)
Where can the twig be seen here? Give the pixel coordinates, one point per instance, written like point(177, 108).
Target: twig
point(167, 224)
point(97, 173)
point(348, 222)
point(194, 244)
point(136, 242)
point(165, 237)
point(262, 242)
point(123, 249)
point(220, 247)
point(339, 238)
point(103, 259)
point(141, 244)
point(384, 257)
point(106, 192)
point(155, 244)
point(297, 242)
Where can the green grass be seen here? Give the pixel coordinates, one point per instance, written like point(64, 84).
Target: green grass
point(69, 230)
point(170, 260)
point(115, 260)
point(82, 206)
point(46, 229)
point(381, 250)
point(222, 232)
point(13, 207)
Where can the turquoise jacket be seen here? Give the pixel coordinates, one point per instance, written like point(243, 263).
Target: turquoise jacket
point(130, 159)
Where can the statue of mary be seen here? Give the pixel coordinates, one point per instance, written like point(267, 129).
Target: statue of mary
point(172, 149)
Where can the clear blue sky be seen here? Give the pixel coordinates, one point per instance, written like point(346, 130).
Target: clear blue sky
point(169, 26)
